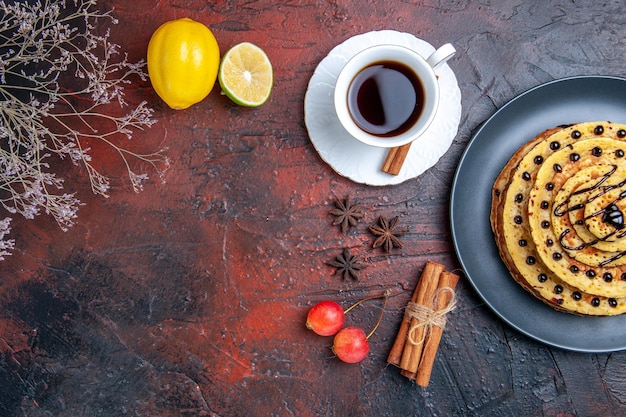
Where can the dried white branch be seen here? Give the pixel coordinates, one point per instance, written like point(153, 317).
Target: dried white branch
point(58, 79)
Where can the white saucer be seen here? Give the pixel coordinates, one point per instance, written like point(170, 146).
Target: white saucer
point(353, 159)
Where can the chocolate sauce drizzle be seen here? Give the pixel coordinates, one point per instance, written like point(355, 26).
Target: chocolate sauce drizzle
point(611, 214)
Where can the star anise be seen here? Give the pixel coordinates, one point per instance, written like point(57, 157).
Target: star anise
point(347, 213)
point(387, 232)
point(348, 266)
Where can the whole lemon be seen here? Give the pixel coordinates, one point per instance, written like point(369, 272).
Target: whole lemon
point(183, 60)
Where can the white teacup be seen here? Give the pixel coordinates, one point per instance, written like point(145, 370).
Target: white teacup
point(388, 95)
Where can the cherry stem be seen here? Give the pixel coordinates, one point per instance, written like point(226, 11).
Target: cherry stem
point(384, 295)
point(382, 312)
point(371, 297)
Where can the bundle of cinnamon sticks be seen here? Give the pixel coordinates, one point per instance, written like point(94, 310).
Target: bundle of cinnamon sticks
point(422, 326)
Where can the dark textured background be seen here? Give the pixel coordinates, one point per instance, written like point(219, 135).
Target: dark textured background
point(189, 299)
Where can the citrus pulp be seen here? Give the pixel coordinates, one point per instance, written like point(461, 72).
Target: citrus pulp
point(246, 75)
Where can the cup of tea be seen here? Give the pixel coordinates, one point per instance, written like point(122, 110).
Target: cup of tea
point(388, 95)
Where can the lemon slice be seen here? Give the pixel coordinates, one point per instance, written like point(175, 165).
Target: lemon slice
point(246, 75)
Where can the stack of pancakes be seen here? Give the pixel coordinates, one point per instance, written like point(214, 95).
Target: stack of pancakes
point(558, 217)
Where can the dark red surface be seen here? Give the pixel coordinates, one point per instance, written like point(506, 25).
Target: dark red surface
point(189, 299)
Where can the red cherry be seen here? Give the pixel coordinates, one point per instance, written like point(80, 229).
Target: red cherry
point(351, 345)
point(325, 318)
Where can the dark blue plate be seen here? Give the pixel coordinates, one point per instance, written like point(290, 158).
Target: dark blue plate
point(564, 101)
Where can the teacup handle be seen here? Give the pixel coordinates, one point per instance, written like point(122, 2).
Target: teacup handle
point(441, 55)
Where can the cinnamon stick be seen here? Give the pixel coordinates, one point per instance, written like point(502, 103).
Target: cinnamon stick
point(448, 280)
point(395, 354)
point(395, 159)
point(426, 289)
point(408, 374)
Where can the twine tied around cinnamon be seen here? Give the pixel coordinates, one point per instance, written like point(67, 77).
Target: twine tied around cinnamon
point(427, 317)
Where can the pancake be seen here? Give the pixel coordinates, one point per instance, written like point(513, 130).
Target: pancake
point(531, 238)
point(586, 205)
point(579, 262)
point(498, 198)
